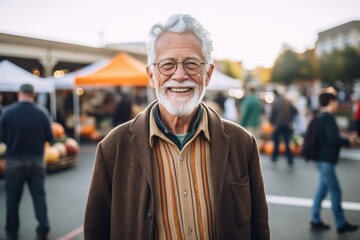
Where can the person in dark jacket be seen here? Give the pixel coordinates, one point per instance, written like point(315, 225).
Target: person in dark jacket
point(326, 159)
point(25, 127)
point(177, 170)
point(281, 117)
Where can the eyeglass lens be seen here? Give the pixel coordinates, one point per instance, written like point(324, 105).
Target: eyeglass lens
point(169, 66)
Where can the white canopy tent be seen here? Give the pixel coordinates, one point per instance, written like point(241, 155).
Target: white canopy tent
point(67, 82)
point(12, 77)
point(222, 82)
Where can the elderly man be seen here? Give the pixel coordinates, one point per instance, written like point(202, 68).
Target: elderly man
point(177, 171)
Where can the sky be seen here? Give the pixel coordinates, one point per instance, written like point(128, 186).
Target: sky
point(252, 31)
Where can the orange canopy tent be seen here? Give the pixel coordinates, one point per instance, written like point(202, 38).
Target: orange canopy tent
point(122, 70)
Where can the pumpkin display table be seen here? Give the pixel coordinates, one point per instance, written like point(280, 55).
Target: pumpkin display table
point(63, 152)
point(266, 144)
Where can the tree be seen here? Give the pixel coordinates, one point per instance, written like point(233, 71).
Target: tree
point(291, 66)
point(340, 65)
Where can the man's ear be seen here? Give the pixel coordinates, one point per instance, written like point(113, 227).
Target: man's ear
point(209, 74)
point(150, 77)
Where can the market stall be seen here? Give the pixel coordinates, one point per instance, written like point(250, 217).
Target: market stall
point(12, 77)
point(121, 71)
point(61, 154)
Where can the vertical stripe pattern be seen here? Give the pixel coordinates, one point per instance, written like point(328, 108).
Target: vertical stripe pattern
point(183, 195)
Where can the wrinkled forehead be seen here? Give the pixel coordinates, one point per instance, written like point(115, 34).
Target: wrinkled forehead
point(170, 41)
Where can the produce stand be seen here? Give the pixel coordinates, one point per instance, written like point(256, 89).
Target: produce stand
point(63, 163)
point(62, 154)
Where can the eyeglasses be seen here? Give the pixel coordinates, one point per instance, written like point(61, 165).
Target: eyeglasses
point(168, 67)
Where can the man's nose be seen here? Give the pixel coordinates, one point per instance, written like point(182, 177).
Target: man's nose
point(180, 70)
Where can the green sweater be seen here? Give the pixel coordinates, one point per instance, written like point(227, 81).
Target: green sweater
point(251, 110)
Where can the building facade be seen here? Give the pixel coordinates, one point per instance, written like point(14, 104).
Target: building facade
point(43, 57)
point(338, 38)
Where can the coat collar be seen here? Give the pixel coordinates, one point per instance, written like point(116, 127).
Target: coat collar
point(219, 148)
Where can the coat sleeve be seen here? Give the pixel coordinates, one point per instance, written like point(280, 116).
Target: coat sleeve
point(98, 208)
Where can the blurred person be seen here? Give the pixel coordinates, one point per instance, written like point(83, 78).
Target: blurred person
point(123, 110)
point(251, 110)
point(300, 120)
point(25, 127)
point(220, 100)
point(230, 110)
point(177, 170)
point(326, 159)
point(281, 117)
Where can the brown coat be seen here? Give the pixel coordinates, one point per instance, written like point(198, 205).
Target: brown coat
point(121, 199)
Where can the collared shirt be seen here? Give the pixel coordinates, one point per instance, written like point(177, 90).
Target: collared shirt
point(183, 188)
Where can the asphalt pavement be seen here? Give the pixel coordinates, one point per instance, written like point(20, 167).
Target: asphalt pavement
point(289, 194)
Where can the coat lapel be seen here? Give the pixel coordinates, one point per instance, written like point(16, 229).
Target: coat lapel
point(140, 141)
point(219, 150)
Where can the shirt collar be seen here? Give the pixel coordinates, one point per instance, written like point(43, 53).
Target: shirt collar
point(157, 128)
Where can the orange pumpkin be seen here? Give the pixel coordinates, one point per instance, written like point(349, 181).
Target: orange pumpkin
point(58, 130)
point(87, 130)
point(266, 128)
point(268, 147)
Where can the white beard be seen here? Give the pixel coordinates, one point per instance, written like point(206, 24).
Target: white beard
point(179, 106)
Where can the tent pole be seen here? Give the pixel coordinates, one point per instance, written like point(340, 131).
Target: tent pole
point(76, 115)
point(53, 104)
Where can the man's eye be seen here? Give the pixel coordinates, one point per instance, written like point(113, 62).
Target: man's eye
point(168, 65)
point(191, 64)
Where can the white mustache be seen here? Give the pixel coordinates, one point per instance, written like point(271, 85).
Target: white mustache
point(184, 84)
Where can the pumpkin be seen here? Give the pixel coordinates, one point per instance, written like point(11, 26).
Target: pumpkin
point(87, 130)
point(2, 168)
point(2, 148)
point(268, 147)
point(266, 128)
point(52, 155)
point(61, 147)
point(72, 147)
point(58, 130)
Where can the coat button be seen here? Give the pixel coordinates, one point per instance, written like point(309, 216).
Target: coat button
point(149, 216)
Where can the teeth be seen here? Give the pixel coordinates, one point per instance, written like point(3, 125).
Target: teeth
point(179, 89)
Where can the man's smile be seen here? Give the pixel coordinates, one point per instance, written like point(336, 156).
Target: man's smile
point(180, 89)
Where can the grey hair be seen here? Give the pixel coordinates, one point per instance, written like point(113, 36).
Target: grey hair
point(179, 23)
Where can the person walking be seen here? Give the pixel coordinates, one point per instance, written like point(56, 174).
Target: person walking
point(281, 117)
point(251, 110)
point(177, 170)
point(25, 127)
point(326, 159)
